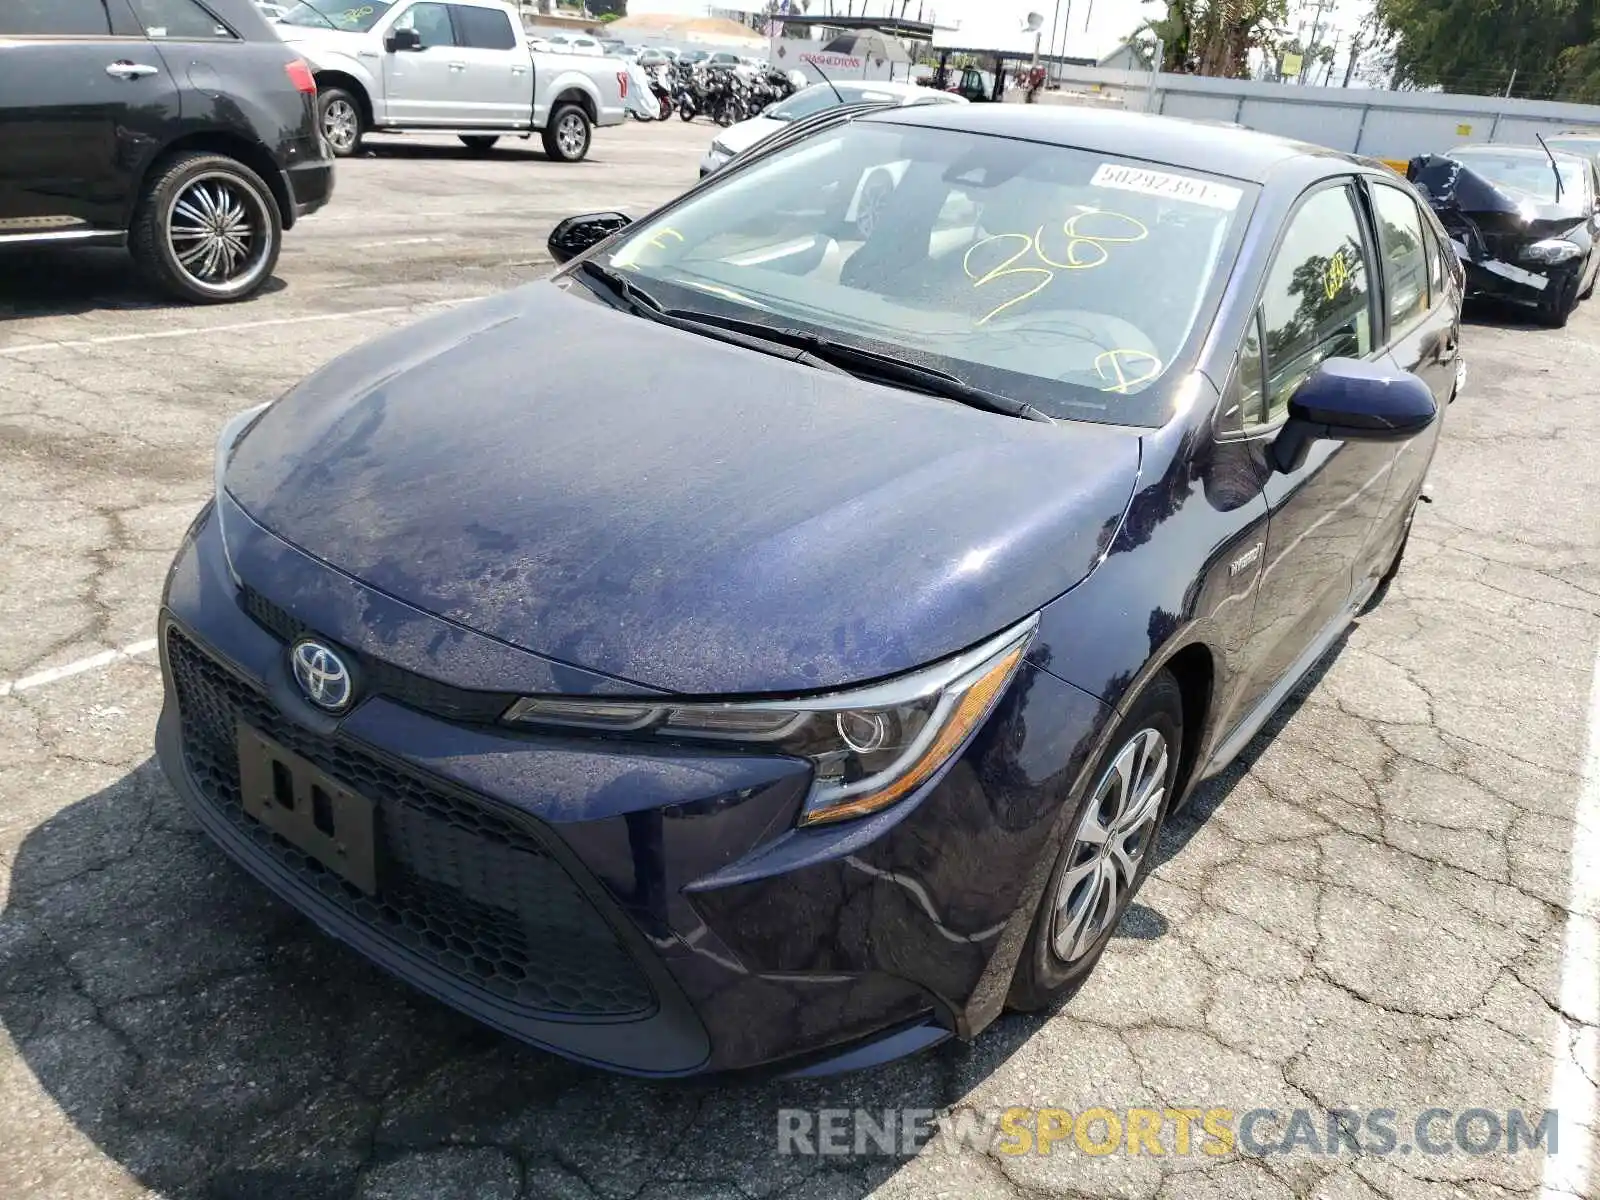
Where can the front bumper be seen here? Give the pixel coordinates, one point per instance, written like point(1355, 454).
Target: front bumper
point(1518, 283)
point(646, 909)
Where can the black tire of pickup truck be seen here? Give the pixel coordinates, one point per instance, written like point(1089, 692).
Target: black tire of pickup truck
point(339, 114)
point(567, 133)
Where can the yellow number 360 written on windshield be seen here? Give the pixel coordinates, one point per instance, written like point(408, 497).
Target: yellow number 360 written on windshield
point(1088, 235)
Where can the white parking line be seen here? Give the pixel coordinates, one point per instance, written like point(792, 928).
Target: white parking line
point(161, 334)
point(1567, 1172)
point(104, 659)
point(411, 241)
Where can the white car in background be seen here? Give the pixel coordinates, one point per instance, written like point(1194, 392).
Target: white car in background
point(573, 43)
point(736, 139)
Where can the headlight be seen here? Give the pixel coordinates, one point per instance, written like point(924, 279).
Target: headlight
point(868, 748)
point(1551, 250)
point(720, 150)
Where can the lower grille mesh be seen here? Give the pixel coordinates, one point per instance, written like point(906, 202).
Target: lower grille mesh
point(467, 889)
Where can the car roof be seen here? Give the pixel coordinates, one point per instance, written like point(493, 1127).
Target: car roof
point(1242, 154)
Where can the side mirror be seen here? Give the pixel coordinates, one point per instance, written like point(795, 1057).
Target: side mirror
point(576, 234)
point(1346, 400)
point(402, 39)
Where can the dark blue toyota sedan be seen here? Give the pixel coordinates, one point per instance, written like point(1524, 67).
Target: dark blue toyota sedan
point(779, 637)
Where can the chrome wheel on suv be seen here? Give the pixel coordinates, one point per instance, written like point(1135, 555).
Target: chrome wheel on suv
point(218, 230)
point(207, 229)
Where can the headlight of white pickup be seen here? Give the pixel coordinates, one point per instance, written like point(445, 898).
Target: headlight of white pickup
point(1550, 251)
point(869, 747)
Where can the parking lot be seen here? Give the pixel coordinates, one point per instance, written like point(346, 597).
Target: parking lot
point(1369, 912)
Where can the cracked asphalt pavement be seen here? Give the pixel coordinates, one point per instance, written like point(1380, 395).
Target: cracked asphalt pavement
point(1367, 911)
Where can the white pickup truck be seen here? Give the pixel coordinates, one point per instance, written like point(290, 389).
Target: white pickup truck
point(462, 67)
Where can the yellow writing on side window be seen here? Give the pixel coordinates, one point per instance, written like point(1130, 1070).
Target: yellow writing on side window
point(1086, 248)
point(1336, 275)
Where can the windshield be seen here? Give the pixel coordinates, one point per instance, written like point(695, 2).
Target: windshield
point(820, 96)
point(1528, 174)
point(1065, 279)
point(336, 14)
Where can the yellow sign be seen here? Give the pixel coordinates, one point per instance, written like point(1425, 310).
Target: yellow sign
point(1463, 130)
point(1292, 63)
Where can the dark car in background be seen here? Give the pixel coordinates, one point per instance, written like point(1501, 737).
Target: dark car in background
point(185, 130)
point(816, 698)
point(1522, 220)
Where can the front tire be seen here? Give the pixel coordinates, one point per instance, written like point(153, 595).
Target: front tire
point(342, 123)
point(206, 229)
point(567, 134)
point(479, 143)
point(1108, 852)
point(1556, 309)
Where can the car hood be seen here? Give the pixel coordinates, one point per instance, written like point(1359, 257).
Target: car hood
point(672, 510)
point(310, 38)
point(745, 134)
point(1450, 186)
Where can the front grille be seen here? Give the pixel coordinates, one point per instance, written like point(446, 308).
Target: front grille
point(470, 890)
point(385, 679)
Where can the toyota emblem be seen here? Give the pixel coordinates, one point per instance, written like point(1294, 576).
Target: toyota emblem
point(322, 675)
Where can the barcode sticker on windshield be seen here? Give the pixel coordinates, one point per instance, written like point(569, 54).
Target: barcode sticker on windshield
point(1162, 183)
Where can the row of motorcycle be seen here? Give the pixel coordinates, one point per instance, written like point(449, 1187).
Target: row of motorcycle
point(726, 95)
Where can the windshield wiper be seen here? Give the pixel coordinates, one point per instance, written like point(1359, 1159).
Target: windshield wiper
point(641, 303)
point(870, 364)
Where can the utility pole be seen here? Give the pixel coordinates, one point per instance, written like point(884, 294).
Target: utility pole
point(1055, 22)
point(1322, 6)
point(1510, 83)
point(1355, 53)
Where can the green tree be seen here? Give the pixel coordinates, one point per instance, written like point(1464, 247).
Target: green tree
point(1535, 48)
point(614, 9)
point(1213, 37)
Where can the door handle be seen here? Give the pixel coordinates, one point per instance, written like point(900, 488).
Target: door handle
point(519, 70)
point(458, 66)
point(123, 69)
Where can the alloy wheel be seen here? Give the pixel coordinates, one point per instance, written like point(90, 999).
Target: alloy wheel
point(1113, 838)
point(219, 231)
point(569, 135)
point(340, 124)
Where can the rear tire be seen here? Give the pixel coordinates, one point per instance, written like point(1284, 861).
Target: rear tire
point(206, 229)
point(479, 143)
point(343, 127)
point(567, 133)
point(1090, 888)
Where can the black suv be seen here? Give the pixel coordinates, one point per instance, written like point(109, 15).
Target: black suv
point(184, 129)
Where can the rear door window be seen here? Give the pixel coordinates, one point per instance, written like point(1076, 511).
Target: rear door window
point(484, 28)
point(54, 18)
